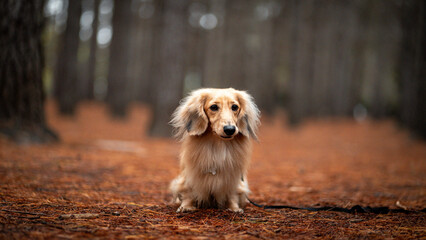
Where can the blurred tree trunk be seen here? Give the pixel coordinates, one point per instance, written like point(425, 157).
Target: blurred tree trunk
point(169, 60)
point(281, 45)
point(259, 62)
point(412, 67)
point(155, 61)
point(322, 68)
point(383, 40)
point(89, 93)
point(214, 51)
point(135, 44)
point(143, 19)
point(345, 24)
point(22, 115)
point(236, 23)
point(302, 54)
point(66, 72)
point(325, 78)
point(118, 78)
point(195, 46)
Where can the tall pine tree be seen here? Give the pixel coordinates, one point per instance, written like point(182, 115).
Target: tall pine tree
point(22, 116)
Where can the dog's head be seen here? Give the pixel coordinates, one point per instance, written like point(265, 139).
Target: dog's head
point(228, 112)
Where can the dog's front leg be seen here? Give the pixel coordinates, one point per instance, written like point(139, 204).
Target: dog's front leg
point(181, 194)
point(187, 204)
point(233, 204)
point(242, 192)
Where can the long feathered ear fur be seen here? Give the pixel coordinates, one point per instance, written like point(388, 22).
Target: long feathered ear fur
point(248, 121)
point(189, 117)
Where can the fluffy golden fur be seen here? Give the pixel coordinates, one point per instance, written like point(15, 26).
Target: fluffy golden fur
point(215, 126)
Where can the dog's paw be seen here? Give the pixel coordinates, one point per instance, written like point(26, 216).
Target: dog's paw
point(183, 209)
point(236, 210)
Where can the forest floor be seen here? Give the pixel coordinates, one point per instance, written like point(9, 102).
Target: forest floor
point(106, 179)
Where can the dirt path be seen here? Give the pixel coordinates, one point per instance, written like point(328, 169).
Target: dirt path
point(106, 180)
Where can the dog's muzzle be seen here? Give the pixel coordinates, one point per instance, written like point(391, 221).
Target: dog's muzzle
point(229, 130)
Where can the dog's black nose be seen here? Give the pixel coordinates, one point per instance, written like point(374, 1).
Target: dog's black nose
point(229, 130)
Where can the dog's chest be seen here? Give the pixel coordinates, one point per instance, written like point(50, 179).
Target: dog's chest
point(212, 171)
point(218, 159)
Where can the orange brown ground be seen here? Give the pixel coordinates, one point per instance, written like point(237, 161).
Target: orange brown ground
point(115, 182)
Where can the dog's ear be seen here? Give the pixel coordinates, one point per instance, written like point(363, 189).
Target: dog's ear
point(190, 117)
point(248, 121)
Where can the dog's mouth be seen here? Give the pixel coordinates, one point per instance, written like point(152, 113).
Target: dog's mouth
point(226, 137)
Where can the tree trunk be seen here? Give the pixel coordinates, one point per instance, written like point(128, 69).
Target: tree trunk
point(141, 47)
point(89, 94)
point(214, 51)
point(412, 67)
point(66, 71)
point(22, 116)
point(343, 61)
point(281, 46)
point(118, 78)
point(259, 63)
point(169, 60)
point(322, 68)
point(195, 47)
point(151, 35)
point(302, 54)
point(236, 24)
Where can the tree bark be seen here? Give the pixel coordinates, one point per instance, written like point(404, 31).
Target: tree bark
point(412, 67)
point(343, 64)
point(141, 44)
point(195, 49)
point(22, 116)
point(259, 63)
point(118, 78)
point(214, 51)
point(302, 60)
point(67, 69)
point(89, 94)
point(169, 60)
point(236, 24)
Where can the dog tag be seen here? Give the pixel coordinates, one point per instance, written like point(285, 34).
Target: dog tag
point(213, 172)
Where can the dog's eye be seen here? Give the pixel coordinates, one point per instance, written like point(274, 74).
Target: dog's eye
point(214, 107)
point(234, 107)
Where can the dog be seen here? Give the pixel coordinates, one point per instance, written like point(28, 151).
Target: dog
point(215, 127)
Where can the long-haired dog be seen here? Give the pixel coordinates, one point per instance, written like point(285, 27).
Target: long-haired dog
point(215, 126)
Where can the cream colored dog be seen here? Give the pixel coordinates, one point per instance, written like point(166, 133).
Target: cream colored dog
point(215, 126)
